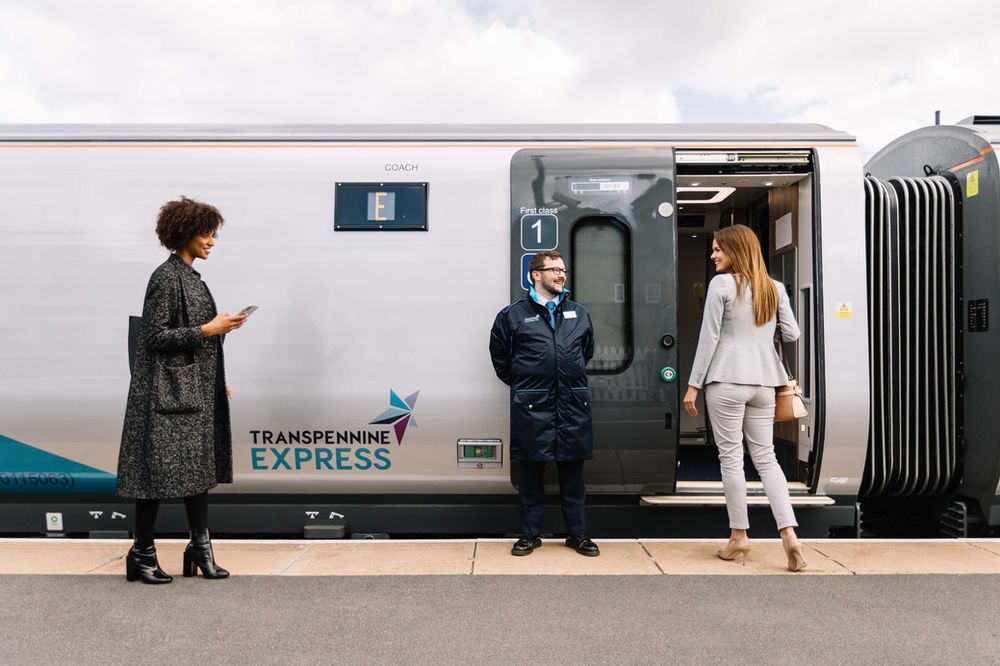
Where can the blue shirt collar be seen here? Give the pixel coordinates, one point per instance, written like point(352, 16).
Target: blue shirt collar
point(538, 299)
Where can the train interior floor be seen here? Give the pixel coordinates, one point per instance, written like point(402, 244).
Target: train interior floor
point(701, 463)
point(649, 557)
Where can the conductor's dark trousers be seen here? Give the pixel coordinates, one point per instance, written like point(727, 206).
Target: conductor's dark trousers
point(572, 494)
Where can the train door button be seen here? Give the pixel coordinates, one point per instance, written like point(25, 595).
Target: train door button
point(668, 374)
point(667, 341)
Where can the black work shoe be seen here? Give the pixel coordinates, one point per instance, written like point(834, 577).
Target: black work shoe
point(582, 544)
point(526, 545)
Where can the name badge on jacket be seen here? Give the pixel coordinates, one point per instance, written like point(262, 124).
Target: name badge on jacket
point(569, 314)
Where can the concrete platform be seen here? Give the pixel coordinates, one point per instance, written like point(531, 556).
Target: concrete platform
point(618, 558)
point(488, 619)
point(766, 557)
point(644, 557)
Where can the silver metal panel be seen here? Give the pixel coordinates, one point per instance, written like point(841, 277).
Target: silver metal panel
point(344, 317)
point(841, 241)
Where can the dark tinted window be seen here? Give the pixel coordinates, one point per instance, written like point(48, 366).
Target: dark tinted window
point(600, 274)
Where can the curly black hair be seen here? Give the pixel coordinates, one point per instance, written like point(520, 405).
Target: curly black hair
point(181, 220)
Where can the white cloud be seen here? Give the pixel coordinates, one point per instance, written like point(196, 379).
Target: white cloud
point(872, 69)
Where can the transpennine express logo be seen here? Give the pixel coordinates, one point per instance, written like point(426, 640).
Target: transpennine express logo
point(399, 414)
point(328, 450)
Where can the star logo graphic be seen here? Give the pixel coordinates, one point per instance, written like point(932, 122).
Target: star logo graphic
point(399, 414)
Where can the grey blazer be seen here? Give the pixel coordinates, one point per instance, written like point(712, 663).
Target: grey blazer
point(732, 347)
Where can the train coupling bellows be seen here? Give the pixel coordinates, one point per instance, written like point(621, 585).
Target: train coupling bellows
point(912, 227)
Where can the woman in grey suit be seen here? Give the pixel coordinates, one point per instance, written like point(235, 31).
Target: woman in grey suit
point(176, 440)
point(738, 367)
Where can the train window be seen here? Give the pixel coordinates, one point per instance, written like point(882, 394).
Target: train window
point(601, 266)
point(806, 318)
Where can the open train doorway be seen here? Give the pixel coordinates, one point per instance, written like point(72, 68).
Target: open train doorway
point(772, 193)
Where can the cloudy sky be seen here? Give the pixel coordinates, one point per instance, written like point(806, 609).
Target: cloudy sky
point(875, 69)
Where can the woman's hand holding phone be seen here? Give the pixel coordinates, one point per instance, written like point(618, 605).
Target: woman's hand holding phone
point(222, 323)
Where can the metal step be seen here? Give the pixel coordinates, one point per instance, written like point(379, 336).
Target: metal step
point(799, 501)
point(703, 487)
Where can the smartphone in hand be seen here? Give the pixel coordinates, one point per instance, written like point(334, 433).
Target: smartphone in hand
point(248, 310)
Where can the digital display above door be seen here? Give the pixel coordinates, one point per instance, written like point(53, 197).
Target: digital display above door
point(380, 207)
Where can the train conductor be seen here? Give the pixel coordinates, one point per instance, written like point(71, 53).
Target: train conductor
point(540, 347)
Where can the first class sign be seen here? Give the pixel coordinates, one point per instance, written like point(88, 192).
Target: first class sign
point(380, 207)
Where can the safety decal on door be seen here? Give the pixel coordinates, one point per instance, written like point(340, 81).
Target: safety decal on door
point(972, 183)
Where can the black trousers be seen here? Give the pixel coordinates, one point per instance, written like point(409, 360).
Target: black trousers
point(196, 507)
point(572, 493)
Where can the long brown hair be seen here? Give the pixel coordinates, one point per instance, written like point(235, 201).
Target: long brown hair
point(743, 249)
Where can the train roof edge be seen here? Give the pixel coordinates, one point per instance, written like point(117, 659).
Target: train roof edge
point(779, 132)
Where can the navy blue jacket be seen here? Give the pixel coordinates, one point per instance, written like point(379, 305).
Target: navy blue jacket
point(546, 369)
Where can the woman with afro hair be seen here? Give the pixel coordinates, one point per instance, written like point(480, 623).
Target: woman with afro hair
point(176, 440)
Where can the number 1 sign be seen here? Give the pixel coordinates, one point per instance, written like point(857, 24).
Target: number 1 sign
point(539, 232)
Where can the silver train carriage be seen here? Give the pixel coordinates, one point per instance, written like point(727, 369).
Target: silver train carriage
point(365, 401)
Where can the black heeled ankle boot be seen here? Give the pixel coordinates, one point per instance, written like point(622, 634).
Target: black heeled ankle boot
point(141, 564)
point(198, 555)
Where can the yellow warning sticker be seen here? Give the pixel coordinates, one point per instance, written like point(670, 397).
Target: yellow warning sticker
point(844, 310)
point(699, 290)
point(972, 183)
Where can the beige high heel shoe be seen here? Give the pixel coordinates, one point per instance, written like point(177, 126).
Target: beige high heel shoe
point(732, 549)
point(795, 560)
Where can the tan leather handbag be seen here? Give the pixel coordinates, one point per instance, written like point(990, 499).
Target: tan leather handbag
point(788, 404)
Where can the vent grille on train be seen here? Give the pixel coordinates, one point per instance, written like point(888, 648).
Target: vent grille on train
point(913, 291)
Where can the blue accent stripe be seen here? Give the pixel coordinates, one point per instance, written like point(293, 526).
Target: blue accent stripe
point(27, 469)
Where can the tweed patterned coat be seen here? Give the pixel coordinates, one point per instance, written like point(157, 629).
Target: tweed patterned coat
point(167, 455)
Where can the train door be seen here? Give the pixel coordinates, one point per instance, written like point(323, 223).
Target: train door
point(610, 213)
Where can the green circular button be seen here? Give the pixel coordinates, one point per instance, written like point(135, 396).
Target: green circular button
point(668, 374)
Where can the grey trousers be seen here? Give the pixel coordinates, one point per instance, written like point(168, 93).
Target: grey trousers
point(738, 411)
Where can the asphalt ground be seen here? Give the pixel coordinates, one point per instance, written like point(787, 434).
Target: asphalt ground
point(914, 619)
